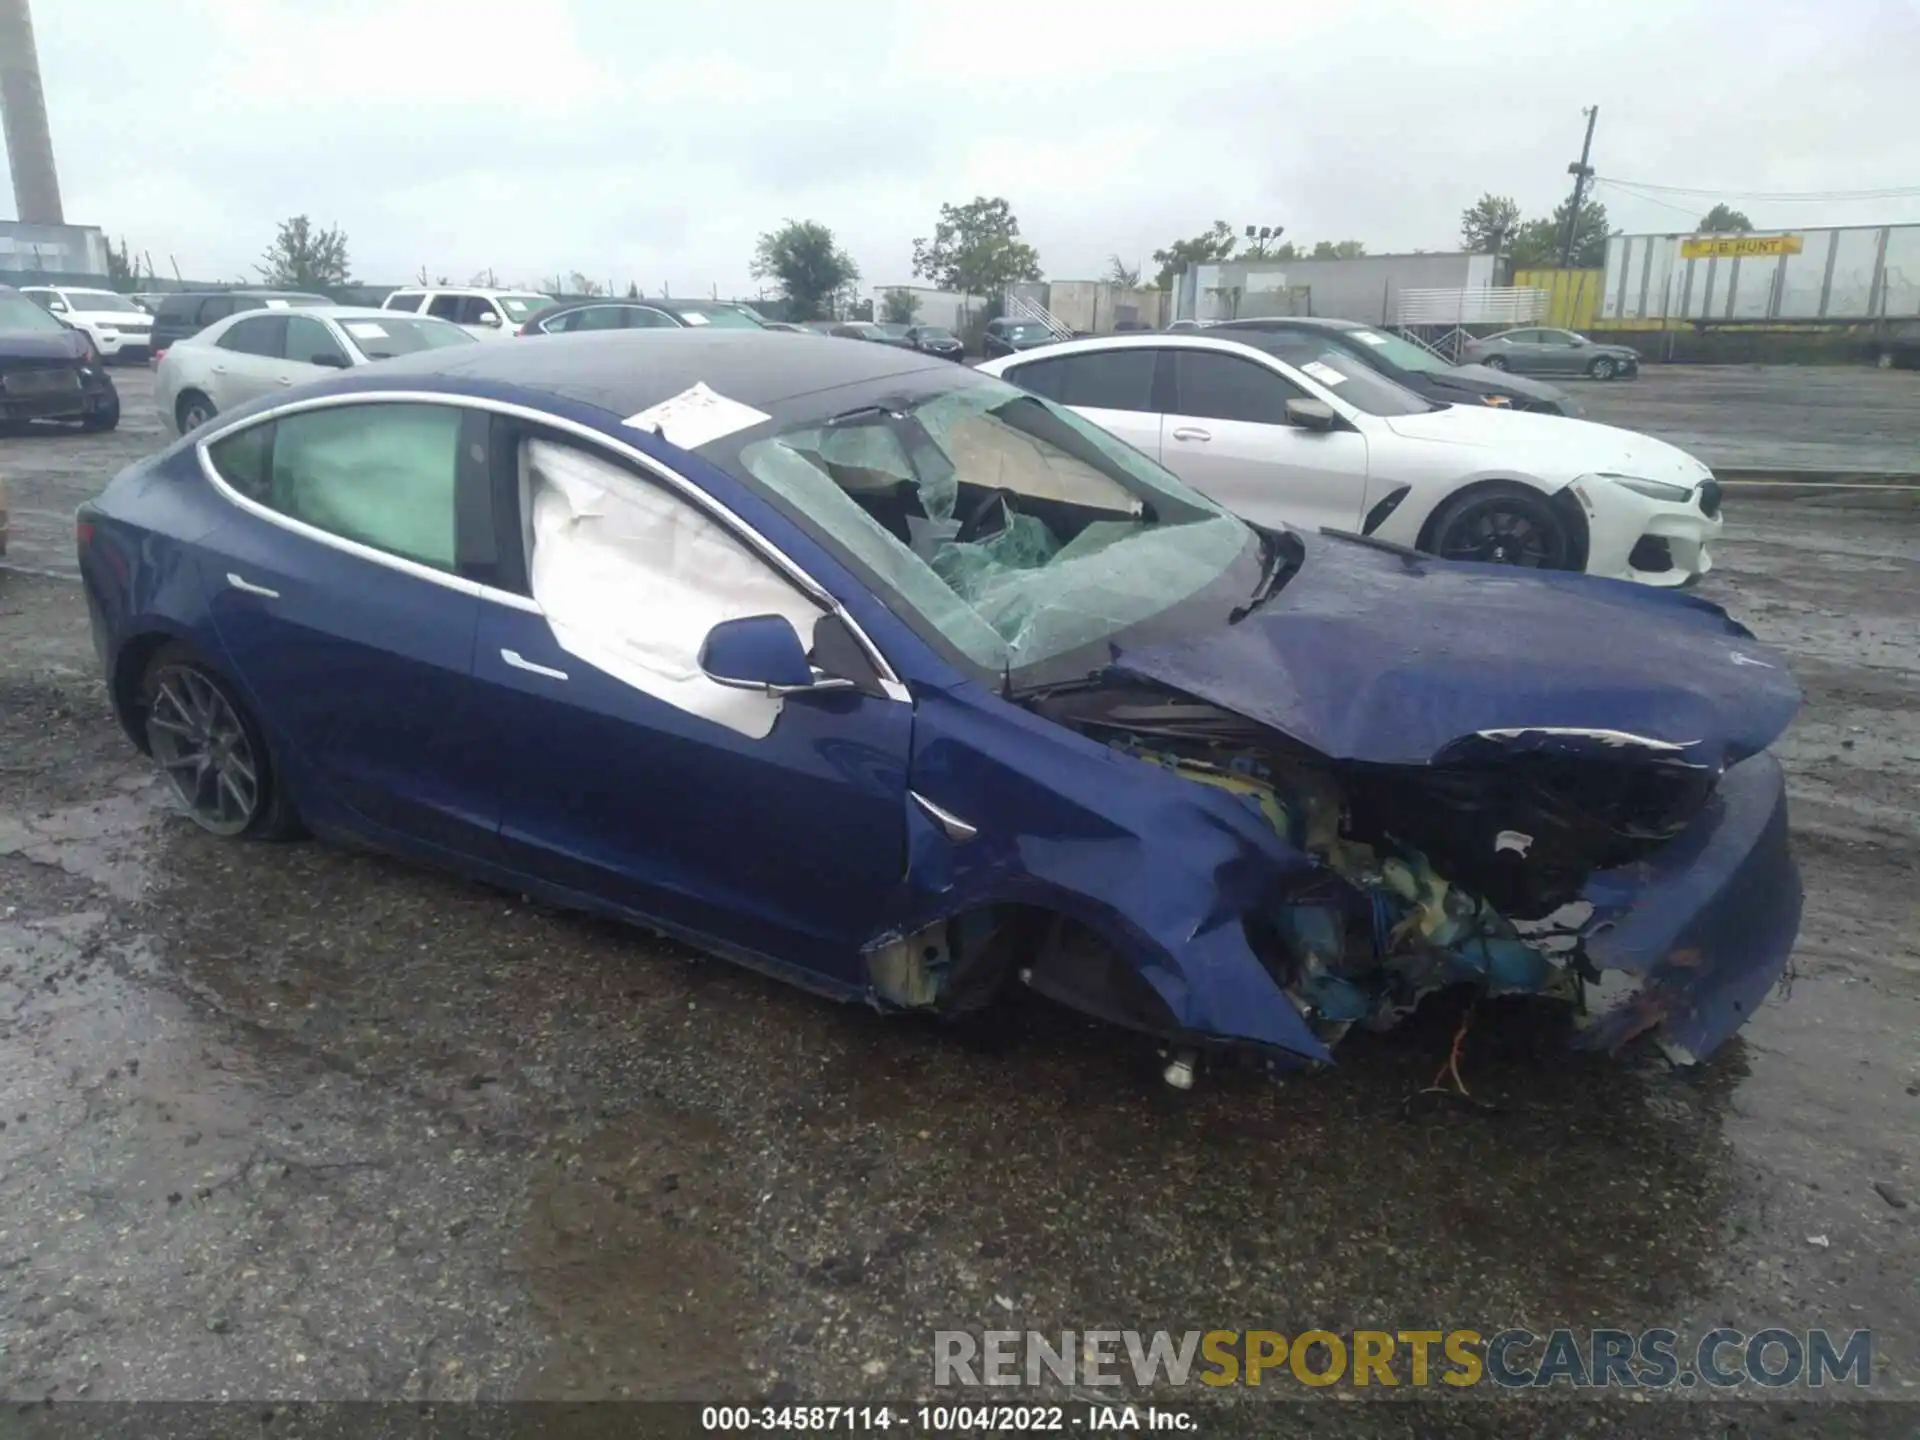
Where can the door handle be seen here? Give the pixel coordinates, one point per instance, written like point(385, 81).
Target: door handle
point(240, 583)
point(1192, 432)
point(520, 662)
point(286, 380)
point(219, 369)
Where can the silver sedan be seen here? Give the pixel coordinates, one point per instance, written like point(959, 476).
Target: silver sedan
point(260, 352)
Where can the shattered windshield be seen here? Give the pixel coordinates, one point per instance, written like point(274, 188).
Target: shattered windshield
point(1017, 531)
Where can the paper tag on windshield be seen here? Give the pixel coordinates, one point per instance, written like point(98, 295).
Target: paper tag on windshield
point(1325, 374)
point(365, 330)
point(692, 317)
point(276, 304)
point(697, 416)
point(1367, 337)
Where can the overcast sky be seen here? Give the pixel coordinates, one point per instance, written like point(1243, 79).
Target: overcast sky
point(654, 142)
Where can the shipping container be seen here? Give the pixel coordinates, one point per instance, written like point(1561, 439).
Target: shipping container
point(1848, 275)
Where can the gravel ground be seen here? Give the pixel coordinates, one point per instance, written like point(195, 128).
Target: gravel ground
point(289, 1121)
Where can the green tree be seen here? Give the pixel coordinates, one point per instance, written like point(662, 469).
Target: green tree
point(899, 306)
point(1537, 245)
point(303, 258)
point(1490, 225)
point(123, 266)
point(1119, 273)
point(1724, 220)
point(579, 284)
point(805, 260)
point(633, 291)
point(1337, 250)
point(1270, 247)
point(976, 249)
point(1207, 248)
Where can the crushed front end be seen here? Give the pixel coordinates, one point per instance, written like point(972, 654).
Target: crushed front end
point(1517, 862)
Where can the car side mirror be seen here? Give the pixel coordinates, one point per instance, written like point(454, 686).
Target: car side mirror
point(1312, 414)
point(1578, 341)
point(330, 360)
point(58, 307)
point(487, 317)
point(764, 653)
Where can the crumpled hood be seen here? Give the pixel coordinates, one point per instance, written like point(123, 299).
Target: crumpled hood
point(1385, 656)
point(1552, 447)
point(42, 345)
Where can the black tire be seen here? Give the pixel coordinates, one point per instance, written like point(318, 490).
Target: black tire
point(192, 410)
point(1495, 362)
point(102, 421)
point(211, 750)
point(1604, 367)
point(1503, 523)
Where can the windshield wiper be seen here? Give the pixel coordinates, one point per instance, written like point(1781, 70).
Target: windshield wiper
point(1274, 573)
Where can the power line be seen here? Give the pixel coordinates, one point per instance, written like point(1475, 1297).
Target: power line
point(1650, 200)
point(1890, 192)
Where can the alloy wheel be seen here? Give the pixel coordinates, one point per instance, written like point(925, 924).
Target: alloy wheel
point(197, 414)
point(201, 746)
point(1496, 531)
point(1601, 369)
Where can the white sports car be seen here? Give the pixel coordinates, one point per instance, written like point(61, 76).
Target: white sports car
point(1312, 438)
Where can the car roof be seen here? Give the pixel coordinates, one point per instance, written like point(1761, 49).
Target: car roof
point(465, 290)
point(625, 371)
point(356, 312)
point(1289, 322)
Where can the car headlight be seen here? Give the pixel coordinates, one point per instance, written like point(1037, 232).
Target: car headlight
point(1653, 489)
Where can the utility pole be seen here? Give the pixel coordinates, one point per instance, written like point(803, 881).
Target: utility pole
point(1581, 172)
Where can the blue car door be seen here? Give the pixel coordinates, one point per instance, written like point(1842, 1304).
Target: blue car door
point(336, 590)
point(773, 826)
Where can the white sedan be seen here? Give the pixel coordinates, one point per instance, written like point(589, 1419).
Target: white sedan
point(259, 352)
point(1284, 429)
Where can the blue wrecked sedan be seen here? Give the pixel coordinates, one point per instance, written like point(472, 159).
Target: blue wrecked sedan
point(884, 676)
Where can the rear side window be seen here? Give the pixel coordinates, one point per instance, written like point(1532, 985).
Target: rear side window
point(1225, 387)
point(409, 303)
point(309, 342)
point(1112, 380)
point(256, 335)
point(218, 307)
point(593, 317)
point(382, 475)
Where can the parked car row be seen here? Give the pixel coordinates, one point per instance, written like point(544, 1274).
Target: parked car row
point(1010, 703)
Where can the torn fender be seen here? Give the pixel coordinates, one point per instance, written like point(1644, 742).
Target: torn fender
point(1708, 921)
point(1388, 657)
point(1161, 870)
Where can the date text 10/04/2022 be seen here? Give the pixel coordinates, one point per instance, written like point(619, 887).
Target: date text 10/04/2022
point(945, 1419)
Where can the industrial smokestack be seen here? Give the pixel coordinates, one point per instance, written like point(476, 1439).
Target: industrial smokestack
point(36, 188)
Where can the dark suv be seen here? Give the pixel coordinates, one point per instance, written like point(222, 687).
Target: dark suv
point(190, 311)
point(49, 370)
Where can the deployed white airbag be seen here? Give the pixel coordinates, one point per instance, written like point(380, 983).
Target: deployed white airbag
point(632, 578)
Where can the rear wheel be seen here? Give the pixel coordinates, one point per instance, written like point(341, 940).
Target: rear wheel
point(1602, 368)
point(1503, 524)
point(193, 410)
point(1495, 362)
point(210, 749)
point(106, 418)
